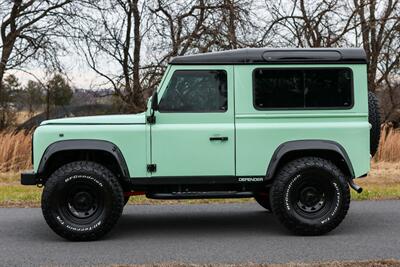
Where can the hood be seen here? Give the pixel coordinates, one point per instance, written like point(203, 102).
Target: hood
point(108, 119)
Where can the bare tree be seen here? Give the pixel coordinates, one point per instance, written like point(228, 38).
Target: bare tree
point(309, 24)
point(112, 31)
point(178, 27)
point(122, 31)
point(203, 26)
point(380, 33)
point(234, 25)
point(28, 30)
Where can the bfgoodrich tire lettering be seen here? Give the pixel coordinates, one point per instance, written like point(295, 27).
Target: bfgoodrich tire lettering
point(310, 196)
point(82, 201)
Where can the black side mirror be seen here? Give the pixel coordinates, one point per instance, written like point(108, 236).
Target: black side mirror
point(154, 101)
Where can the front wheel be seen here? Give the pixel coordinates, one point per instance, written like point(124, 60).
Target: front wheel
point(310, 196)
point(82, 201)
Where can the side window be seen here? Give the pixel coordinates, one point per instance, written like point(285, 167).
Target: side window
point(195, 91)
point(275, 89)
point(302, 88)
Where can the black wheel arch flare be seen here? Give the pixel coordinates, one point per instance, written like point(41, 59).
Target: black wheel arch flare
point(88, 145)
point(307, 148)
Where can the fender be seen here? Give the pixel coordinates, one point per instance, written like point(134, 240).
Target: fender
point(307, 145)
point(69, 145)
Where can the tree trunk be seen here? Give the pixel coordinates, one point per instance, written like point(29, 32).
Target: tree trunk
point(137, 88)
point(5, 55)
point(231, 24)
point(48, 104)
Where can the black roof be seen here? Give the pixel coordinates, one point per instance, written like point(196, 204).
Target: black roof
point(275, 56)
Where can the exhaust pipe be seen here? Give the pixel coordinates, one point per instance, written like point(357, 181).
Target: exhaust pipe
point(356, 188)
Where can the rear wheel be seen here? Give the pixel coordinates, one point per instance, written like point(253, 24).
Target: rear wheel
point(310, 196)
point(82, 201)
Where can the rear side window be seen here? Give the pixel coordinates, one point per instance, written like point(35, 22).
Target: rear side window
point(302, 88)
point(195, 91)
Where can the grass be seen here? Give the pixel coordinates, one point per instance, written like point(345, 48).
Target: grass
point(377, 193)
point(382, 183)
point(19, 196)
point(15, 153)
point(389, 145)
point(369, 263)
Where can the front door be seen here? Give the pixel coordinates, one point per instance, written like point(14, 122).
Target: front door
point(194, 131)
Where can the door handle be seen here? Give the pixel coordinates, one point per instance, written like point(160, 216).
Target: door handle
point(219, 138)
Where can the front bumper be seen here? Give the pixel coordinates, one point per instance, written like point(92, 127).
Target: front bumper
point(29, 178)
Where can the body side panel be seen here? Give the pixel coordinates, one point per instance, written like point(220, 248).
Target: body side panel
point(260, 132)
point(181, 143)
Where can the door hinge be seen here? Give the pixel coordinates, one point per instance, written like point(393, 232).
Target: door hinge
point(151, 167)
point(151, 119)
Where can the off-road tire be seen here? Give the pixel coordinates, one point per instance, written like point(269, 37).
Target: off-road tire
point(96, 196)
point(374, 119)
point(286, 195)
point(262, 198)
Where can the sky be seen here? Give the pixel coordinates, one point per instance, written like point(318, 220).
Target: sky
point(80, 79)
point(79, 74)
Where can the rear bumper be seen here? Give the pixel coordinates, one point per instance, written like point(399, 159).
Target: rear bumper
point(29, 178)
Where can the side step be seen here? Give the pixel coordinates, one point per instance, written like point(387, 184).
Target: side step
point(199, 195)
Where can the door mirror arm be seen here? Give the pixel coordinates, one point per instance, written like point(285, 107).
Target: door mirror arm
point(154, 106)
point(154, 101)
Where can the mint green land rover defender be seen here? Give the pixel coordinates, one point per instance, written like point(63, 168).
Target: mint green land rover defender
point(290, 127)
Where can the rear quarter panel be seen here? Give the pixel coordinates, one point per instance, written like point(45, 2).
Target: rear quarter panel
point(260, 132)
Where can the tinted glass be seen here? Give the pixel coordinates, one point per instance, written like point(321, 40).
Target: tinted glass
point(302, 88)
point(196, 91)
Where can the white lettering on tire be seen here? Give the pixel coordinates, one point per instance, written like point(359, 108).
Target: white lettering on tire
point(288, 191)
point(71, 178)
point(84, 229)
point(336, 206)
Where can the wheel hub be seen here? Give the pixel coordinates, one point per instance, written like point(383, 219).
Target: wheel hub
point(82, 201)
point(82, 204)
point(311, 199)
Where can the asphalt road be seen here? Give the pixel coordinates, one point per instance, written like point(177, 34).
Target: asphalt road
point(219, 233)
